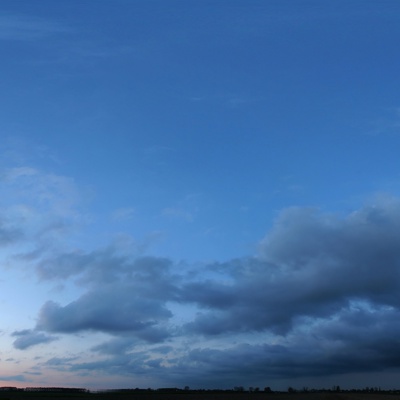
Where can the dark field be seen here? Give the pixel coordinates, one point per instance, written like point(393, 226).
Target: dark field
point(205, 395)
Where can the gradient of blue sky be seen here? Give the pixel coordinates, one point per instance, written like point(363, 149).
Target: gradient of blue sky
point(201, 193)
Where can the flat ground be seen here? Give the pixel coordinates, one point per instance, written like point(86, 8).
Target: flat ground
point(154, 395)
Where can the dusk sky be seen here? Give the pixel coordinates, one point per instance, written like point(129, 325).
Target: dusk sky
point(200, 193)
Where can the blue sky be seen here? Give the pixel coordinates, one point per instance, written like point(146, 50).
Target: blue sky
point(201, 193)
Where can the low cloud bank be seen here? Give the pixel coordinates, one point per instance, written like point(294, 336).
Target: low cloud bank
point(320, 298)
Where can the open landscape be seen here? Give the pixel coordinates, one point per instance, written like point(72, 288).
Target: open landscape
point(177, 394)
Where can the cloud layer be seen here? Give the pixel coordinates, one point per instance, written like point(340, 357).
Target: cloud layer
point(320, 298)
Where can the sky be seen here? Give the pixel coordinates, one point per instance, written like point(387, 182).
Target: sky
point(200, 193)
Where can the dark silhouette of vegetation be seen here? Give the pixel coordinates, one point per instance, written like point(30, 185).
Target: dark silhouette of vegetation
point(173, 393)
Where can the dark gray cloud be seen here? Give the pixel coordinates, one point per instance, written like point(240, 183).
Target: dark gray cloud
point(124, 294)
point(358, 340)
point(311, 264)
point(320, 299)
point(113, 309)
point(28, 338)
point(354, 340)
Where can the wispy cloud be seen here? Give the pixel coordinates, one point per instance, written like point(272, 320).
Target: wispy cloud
point(388, 124)
point(177, 213)
point(123, 214)
point(28, 338)
point(25, 28)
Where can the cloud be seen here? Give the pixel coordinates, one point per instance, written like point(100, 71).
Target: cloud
point(310, 264)
point(37, 209)
point(115, 346)
point(320, 298)
point(123, 214)
point(24, 28)
point(74, 263)
point(9, 234)
point(113, 309)
point(124, 294)
point(59, 361)
point(28, 338)
point(177, 213)
point(11, 378)
point(355, 340)
point(150, 276)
